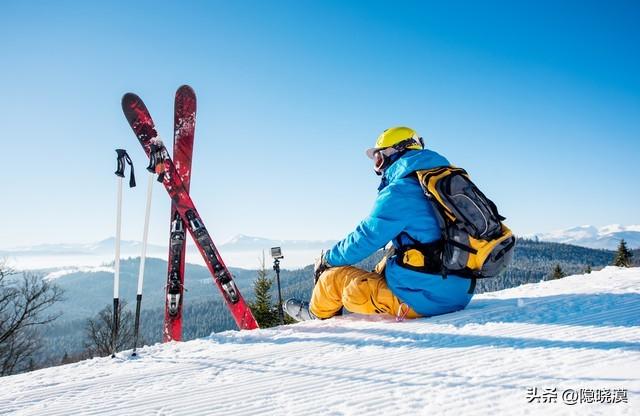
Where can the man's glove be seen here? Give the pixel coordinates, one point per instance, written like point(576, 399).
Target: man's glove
point(320, 266)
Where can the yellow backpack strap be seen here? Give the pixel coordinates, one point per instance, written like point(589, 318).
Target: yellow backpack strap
point(428, 180)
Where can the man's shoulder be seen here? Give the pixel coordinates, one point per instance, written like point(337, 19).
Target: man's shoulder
point(408, 184)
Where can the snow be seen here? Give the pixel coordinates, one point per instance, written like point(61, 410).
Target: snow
point(63, 272)
point(606, 237)
point(59, 261)
point(617, 228)
point(241, 251)
point(580, 332)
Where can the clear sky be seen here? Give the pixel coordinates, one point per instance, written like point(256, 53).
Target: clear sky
point(540, 102)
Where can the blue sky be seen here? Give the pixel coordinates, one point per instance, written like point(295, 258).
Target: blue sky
point(540, 102)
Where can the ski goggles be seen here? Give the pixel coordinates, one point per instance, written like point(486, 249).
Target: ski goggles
point(381, 155)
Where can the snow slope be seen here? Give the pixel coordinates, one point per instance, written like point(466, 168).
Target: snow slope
point(580, 332)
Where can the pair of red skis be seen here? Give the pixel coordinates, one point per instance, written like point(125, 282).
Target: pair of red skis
point(176, 178)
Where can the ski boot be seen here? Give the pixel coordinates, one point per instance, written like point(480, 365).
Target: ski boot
point(298, 310)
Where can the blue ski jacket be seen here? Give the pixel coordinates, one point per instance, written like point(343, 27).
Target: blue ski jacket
point(401, 206)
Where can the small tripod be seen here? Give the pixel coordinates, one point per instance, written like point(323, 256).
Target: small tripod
point(277, 255)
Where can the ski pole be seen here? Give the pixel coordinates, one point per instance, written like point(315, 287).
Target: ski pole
point(122, 159)
point(145, 236)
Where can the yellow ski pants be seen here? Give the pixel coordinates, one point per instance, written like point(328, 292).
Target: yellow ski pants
point(358, 291)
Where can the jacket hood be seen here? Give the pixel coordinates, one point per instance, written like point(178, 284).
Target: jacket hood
point(412, 161)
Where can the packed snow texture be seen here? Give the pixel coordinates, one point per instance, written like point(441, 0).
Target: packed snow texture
point(506, 349)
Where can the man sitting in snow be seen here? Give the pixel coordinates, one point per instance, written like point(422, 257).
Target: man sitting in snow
point(401, 215)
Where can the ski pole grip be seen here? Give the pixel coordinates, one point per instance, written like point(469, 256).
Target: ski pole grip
point(153, 159)
point(123, 158)
point(120, 169)
point(156, 161)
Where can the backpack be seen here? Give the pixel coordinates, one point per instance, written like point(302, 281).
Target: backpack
point(474, 243)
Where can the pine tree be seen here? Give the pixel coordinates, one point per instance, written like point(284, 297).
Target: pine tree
point(557, 273)
point(623, 256)
point(262, 307)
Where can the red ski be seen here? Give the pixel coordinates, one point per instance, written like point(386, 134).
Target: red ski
point(140, 121)
point(184, 121)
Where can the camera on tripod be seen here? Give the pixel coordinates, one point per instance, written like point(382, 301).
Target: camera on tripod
point(276, 253)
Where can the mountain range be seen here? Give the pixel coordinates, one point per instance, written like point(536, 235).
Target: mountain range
point(245, 251)
point(241, 251)
point(607, 237)
point(243, 242)
point(105, 246)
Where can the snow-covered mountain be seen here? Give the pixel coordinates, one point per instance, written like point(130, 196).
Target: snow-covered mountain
point(243, 242)
point(81, 255)
point(106, 246)
point(607, 237)
point(569, 346)
point(246, 251)
point(241, 251)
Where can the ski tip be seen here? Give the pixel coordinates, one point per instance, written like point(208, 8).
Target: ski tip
point(129, 98)
point(185, 89)
point(185, 103)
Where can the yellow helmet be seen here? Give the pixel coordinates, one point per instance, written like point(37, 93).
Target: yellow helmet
point(401, 138)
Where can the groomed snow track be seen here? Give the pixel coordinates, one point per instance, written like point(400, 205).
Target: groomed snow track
point(495, 357)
